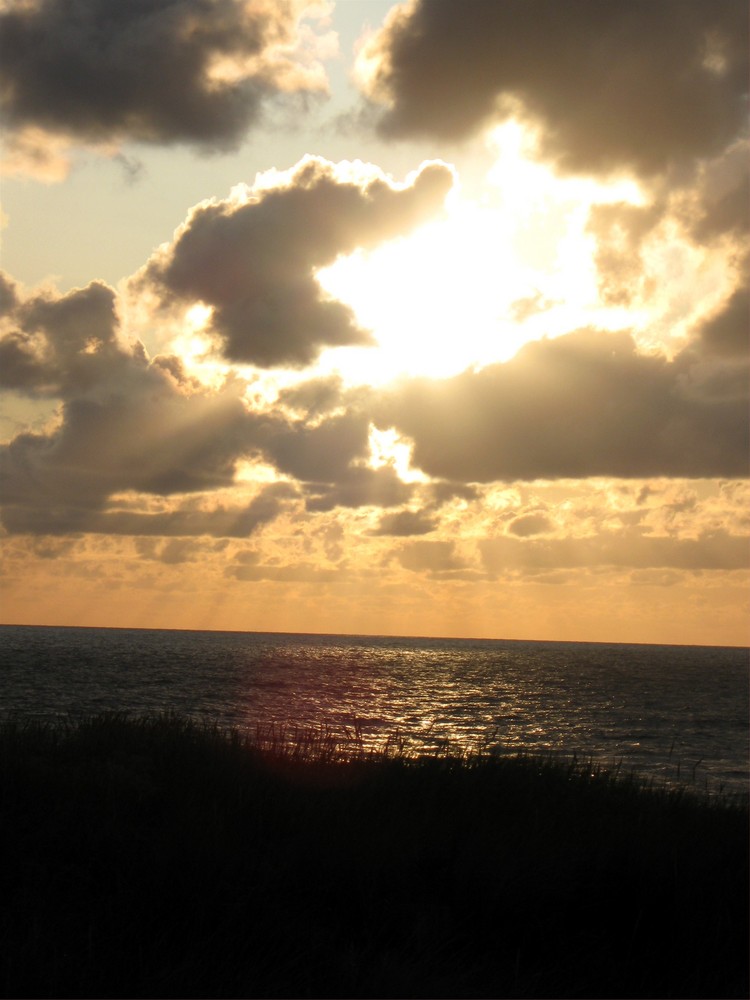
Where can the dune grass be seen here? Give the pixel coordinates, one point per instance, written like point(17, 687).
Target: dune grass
point(161, 858)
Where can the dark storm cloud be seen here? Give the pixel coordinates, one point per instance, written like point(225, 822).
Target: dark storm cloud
point(585, 404)
point(255, 262)
point(635, 83)
point(145, 70)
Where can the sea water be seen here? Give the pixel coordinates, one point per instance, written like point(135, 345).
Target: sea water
point(670, 713)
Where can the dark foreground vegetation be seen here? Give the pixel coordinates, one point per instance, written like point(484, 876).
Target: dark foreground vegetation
point(158, 858)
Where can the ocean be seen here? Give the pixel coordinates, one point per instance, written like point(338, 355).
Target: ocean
point(675, 714)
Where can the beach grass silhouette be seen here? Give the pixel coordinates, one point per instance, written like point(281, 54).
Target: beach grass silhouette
point(160, 857)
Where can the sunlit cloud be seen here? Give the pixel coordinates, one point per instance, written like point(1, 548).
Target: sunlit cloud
point(442, 299)
point(473, 348)
point(161, 74)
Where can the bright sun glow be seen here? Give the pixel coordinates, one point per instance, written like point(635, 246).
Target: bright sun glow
point(387, 447)
point(510, 262)
point(473, 287)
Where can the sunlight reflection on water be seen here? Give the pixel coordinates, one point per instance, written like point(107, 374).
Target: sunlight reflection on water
point(658, 709)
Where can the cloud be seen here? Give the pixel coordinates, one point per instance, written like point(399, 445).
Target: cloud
point(725, 333)
point(718, 202)
point(359, 486)
point(531, 305)
point(443, 492)
point(130, 424)
point(314, 397)
point(432, 557)
point(32, 152)
point(253, 258)
point(322, 452)
point(715, 550)
point(98, 72)
point(705, 206)
point(8, 294)
point(629, 85)
point(145, 434)
point(584, 404)
point(58, 345)
point(620, 230)
point(405, 522)
point(126, 422)
point(185, 520)
point(145, 427)
point(253, 571)
point(654, 578)
point(172, 552)
point(529, 524)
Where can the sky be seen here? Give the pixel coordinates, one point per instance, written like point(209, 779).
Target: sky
point(424, 318)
